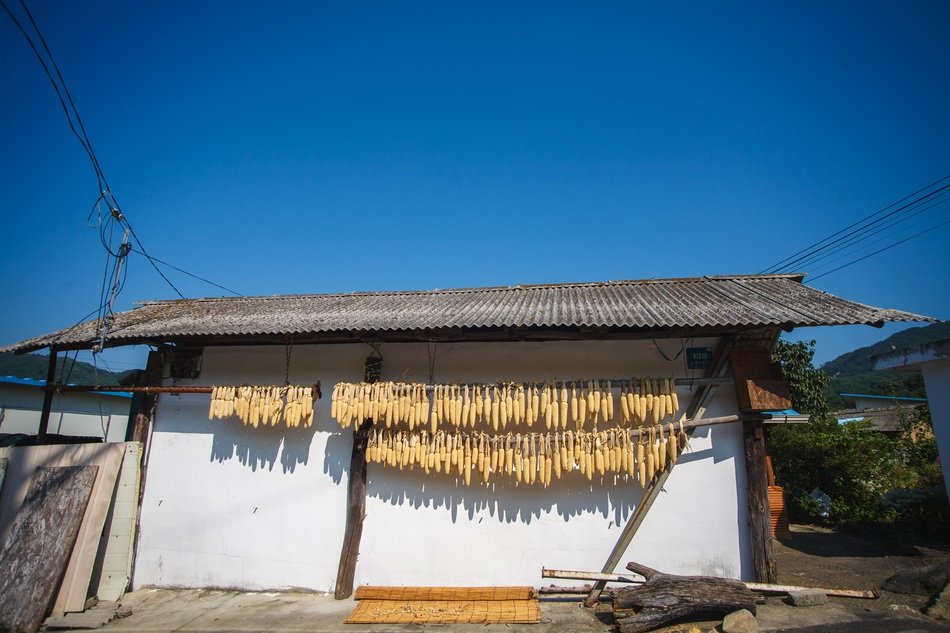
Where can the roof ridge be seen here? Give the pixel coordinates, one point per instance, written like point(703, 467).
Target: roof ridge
point(476, 289)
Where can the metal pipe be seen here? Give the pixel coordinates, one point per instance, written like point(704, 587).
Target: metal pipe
point(147, 390)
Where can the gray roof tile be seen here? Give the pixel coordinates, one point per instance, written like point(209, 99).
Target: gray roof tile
point(700, 303)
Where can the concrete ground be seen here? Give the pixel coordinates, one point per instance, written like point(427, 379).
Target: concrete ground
point(207, 611)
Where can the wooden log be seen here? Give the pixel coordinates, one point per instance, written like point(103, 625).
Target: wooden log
point(664, 598)
point(758, 587)
point(41, 539)
point(757, 494)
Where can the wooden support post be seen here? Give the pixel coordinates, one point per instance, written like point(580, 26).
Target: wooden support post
point(696, 407)
point(355, 512)
point(355, 497)
point(760, 529)
point(47, 398)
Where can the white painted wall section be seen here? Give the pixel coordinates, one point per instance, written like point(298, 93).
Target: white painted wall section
point(77, 414)
point(227, 506)
point(937, 383)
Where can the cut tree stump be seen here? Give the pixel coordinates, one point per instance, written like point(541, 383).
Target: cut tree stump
point(664, 598)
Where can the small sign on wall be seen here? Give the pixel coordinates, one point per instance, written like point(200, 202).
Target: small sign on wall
point(698, 357)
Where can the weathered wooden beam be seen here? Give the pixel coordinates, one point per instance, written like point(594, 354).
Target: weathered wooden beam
point(355, 498)
point(47, 398)
point(355, 513)
point(760, 527)
point(695, 409)
point(34, 555)
point(664, 598)
point(759, 587)
point(441, 335)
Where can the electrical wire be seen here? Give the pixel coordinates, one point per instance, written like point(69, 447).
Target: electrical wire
point(115, 215)
point(880, 250)
point(185, 272)
point(855, 242)
point(850, 252)
point(794, 259)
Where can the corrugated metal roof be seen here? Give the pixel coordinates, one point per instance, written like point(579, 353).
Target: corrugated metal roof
point(701, 304)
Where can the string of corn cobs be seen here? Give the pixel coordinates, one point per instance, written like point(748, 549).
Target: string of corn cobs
point(531, 457)
point(263, 405)
point(555, 405)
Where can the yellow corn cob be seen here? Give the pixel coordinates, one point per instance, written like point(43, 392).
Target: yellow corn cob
point(661, 452)
point(574, 403)
point(641, 463)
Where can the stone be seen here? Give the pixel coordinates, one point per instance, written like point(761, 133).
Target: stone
point(741, 621)
point(123, 612)
point(903, 609)
point(924, 581)
point(807, 597)
point(939, 609)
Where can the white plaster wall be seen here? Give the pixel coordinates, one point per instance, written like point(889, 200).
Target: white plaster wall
point(79, 414)
point(230, 507)
point(937, 382)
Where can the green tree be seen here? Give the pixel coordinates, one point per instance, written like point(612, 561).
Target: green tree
point(853, 466)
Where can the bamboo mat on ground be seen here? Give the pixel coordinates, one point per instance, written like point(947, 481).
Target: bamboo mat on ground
point(445, 605)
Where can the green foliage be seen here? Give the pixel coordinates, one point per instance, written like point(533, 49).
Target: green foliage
point(35, 366)
point(807, 384)
point(872, 479)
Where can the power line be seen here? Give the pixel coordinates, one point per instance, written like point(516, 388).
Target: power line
point(880, 250)
point(115, 214)
point(855, 241)
point(234, 292)
point(823, 244)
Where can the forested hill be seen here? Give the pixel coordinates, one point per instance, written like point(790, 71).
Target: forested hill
point(35, 366)
point(852, 373)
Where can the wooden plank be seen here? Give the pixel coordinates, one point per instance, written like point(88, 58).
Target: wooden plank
point(758, 381)
point(75, 585)
point(41, 538)
point(93, 618)
point(355, 512)
point(695, 409)
point(113, 570)
point(760, 528)
point(3, 471)
point(759, 587)
point(22, 462)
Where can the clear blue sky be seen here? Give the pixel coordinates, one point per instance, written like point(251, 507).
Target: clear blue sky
point(296, 147)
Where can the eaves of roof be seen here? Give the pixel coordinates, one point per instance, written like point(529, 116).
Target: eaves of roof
point(625, 309)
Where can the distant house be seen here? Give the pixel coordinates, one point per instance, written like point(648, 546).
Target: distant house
point(865, 401)
point(882, 419)
point(933, 360)
point(103, 415)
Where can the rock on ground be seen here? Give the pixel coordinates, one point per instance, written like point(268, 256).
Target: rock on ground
point(741, 621)
point(807, 597)
point(923, 581)
point(939, 609)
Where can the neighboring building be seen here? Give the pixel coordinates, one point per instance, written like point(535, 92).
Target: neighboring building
point(933, 360)
point(865, 401)
point(103, 415)
point(889, 420)
point(228, 505)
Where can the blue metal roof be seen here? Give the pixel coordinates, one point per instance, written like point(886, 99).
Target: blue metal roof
point(877, 397)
